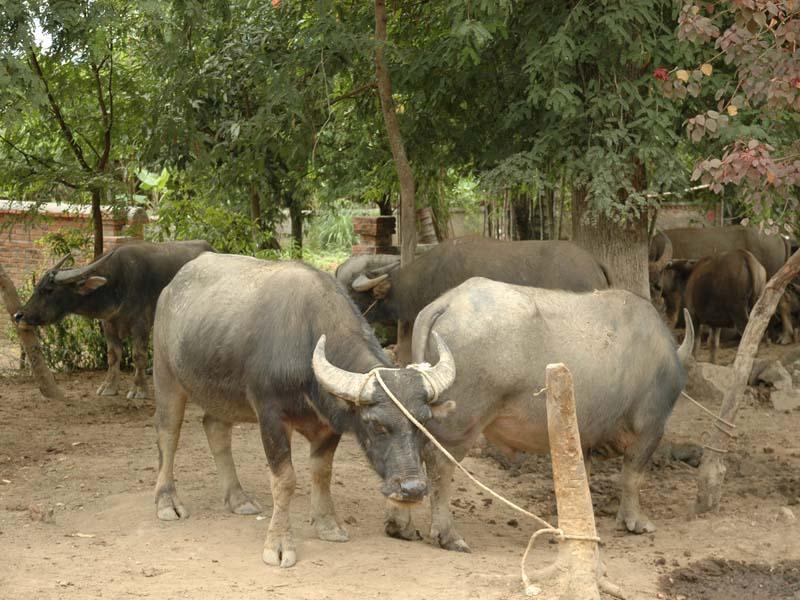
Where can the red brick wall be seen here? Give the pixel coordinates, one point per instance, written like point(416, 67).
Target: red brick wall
point(21, 256)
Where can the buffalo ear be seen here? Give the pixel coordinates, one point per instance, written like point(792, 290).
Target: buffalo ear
point(381, 290)
point(90, 284)
point(439, 411)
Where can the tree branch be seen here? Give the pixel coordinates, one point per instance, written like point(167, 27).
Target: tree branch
point(101, 101)
point(65, 129)
point(355, 92)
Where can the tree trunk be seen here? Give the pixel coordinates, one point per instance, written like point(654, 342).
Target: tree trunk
point(620, 247)
point(97, 221)
point(522, 216)
point(255, 211)
point(408, 226)
point(385, 205)
point(711, 475)
point(296, 215)
point(30, 342)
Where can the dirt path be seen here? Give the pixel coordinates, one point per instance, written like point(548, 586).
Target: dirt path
point(91, 461)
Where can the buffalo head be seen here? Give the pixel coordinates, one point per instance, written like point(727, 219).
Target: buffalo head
point(60, 292)
point(392, 443)
point(369, 283)
point(660, 255)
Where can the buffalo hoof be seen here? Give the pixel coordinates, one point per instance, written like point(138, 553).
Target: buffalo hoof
point(402, 532)
point(279, 551)
point(331, 532)
point(107, 389)
point(239, 504)
point(169, 508)
point(635, 523)
point(138, 393)
point(452, 542)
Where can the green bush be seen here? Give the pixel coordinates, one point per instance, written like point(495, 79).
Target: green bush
point(332, 230)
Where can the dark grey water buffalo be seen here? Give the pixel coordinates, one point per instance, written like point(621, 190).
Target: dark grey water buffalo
point(722, 290)
point(281, 344)
point(671, 249)
point(121, 289)
point(391, 293)
point(627, 374)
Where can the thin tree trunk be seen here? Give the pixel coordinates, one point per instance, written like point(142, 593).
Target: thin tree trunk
point(30, 342)
point(522, 215)
point(97, 221)
point(255, 211)
point(711, 475)
point(296, 216)
point(408, 226)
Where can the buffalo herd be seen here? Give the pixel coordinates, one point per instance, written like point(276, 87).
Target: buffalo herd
point(291, 348)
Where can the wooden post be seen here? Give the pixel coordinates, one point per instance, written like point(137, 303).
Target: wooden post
point(712, 470)
point(44, 378)
point(577, 572)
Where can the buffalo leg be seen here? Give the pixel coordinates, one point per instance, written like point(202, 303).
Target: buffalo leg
point(279, 548)
point(110, 386)
point(139, 389)
point(323, 514)
point(219, 440)
point(637, 457)
point(170, 408)
point(713, 343)
point(785, 312)
point(440, 474)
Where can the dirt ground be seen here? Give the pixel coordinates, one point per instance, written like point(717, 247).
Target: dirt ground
point(77, 518)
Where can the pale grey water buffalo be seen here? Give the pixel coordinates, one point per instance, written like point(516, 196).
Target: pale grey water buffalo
point(722, 290)
point(121, 289)
point(626, 369)
point(281, 344)
point(673, 251)
point(391, 293)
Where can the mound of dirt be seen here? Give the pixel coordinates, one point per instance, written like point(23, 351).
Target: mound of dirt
point(716, 579)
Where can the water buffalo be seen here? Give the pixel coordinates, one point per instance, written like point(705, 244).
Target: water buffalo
point(391, 293)
point(670, 249)
point(627, 374)
point(722, 290)
point(251, 340)
point(121, 288)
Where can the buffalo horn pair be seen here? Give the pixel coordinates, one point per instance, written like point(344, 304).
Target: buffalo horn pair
point(353, 386)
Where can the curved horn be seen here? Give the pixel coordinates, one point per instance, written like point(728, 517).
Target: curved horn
point(72, 275)
point(443, 374)
point(363, 283)
point(60, 263)
point(685, 350)
point(342, 384)
point(662, 261)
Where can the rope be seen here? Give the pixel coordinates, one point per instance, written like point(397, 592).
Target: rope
point(703, 408)
point(546, 527)
point(369, 308)
point(716, 423)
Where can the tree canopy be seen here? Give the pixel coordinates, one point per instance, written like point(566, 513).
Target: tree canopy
point(255, 108)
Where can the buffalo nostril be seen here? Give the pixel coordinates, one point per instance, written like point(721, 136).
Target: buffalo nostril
point(18, 317)
point(413, 488)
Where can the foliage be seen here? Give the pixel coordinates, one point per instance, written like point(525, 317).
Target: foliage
point(757, 100)
point(332, 229)
point(70, 102)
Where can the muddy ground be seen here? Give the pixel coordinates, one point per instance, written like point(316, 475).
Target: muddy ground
point(77, 518)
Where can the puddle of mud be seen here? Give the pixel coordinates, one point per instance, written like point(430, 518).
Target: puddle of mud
point(716, 579)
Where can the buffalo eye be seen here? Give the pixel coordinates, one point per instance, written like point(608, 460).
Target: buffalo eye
point(378, 427)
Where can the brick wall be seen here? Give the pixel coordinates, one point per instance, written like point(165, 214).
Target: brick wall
point(21, 256)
